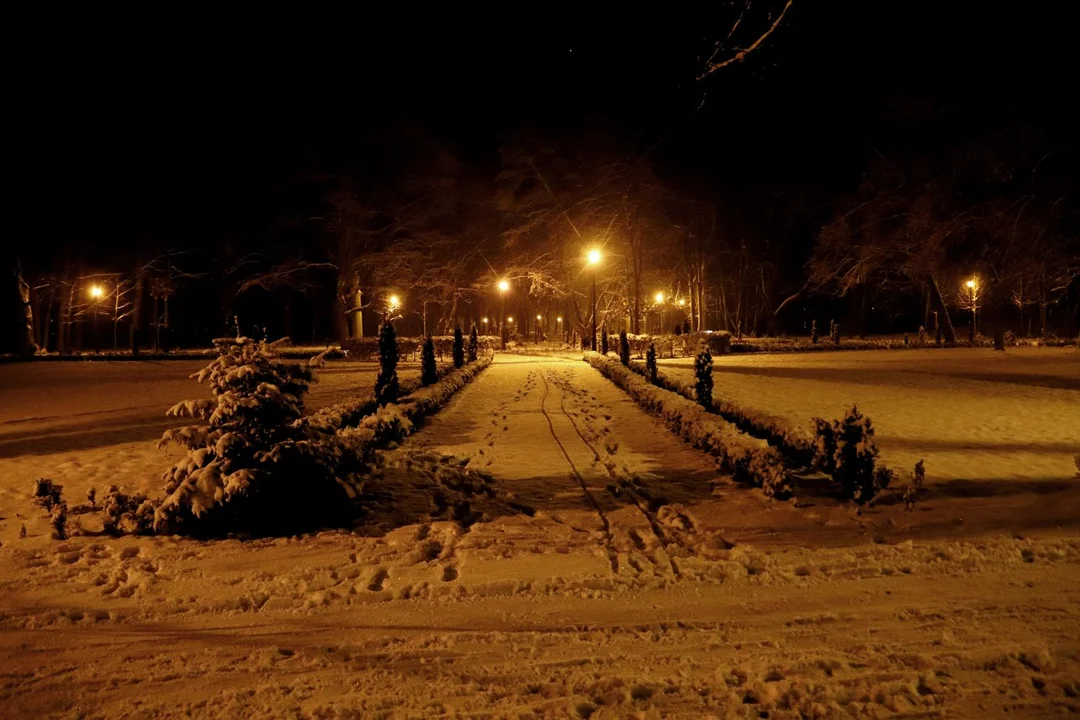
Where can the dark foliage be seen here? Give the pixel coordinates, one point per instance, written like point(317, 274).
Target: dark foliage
point(429, 373)
point(474, 344)
point(624, 348)
point(650, 363)
point(813, 332)
point(604, 342)
point(703, 381)
point(386, 384)
point(459, 348)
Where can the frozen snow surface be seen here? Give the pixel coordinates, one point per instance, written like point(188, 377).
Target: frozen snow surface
point(543, 548)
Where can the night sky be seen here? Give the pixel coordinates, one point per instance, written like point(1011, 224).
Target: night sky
point(185, 129)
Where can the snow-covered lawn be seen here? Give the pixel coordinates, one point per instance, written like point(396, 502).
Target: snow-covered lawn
point(602, 568)
point(975, 415)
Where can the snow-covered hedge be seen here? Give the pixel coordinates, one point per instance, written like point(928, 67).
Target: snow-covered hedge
point(368, 348)
point(748, 459)
point(793, 443)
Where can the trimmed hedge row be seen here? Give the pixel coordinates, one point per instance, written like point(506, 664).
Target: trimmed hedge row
point(749, 460)
point(795, 444)
point(367, 348)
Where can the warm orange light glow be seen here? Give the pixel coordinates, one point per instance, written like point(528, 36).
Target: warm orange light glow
point(504, 286)
point(509, 319)
point(659, 297)
point(558, 319)
point(971, 284)
point(485, 320)
point(96, 291)
point(538, 317)
point(394, 301)
point(682, 302)
point(594, 256)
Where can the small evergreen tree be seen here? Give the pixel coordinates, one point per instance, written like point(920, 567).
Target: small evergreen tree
point(836, 333)
point(254, 466)
point(678, 329)
point(459, 347)
point(386, 384)
point(703, 382)
point(650, 363)
point(922, 336)
point(504, 335)
point(603, 342)
point(686, 327)
point(856, 453)
point(906, 340)
point(813, 332)
point(91, 497)
point(428, 374)
point(474, 344)
point(58, 517)
point(624, 348)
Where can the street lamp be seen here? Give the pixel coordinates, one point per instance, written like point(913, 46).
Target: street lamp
point(973, 295)
point(593, 258)
point(504, 287)
point(96, 293)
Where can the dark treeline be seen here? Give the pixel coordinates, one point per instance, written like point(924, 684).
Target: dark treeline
point(815, 188)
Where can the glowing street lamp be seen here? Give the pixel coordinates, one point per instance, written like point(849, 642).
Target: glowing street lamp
point(393, 303)
point(503, 286)
point(97, 292)
point(972, 286)
point(593, 258)
point(682, 302)
point(659, 297)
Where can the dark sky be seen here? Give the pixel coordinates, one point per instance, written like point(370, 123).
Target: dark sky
point(178, 125)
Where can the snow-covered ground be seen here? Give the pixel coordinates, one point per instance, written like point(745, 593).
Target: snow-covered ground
point(982, 420)
point(599, 567)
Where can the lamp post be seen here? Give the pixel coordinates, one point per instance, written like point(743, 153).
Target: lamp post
point(659, 298)
point(973, 293)
point(504, 286)
point(594, 259)
point(96, 293)
point(485, 322)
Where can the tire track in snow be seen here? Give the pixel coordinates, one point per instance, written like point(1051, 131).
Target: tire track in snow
point(609, 544)
point(625, 484)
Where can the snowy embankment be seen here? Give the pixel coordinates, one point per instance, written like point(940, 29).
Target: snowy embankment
point(748, 459)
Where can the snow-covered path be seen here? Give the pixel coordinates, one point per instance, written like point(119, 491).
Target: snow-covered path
point(605, 569)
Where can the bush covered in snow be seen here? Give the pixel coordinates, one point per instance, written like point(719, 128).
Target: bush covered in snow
point(846, 450)
point(253, 467)
point(650, 364)
point(124, 513)
point(749, 460)
point(47, 494)
point(409, 348)
point(624, 348)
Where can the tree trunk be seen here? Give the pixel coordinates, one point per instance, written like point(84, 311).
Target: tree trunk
point(47, 322)
point(26, 344)
point(862, 311)
point(63, 330)
point(943, 317)
point(341, 310)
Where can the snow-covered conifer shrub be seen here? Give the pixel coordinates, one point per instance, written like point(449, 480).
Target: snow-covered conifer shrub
point(604, 342)
point(91, 497)
point(813, 332)
point(58, 517)
point(836, 333)
point(429, 373)
point(386, 383)
point(703, 382)
point(650, 363)
point(922, 336)
point(678, 329)
point(254, 467)
point(474, 344)
point(624, 348)
point(913, 487)
point(824, 446)
point(459, 348)
point(504, 335)
point(856, 453)
point(47, 494)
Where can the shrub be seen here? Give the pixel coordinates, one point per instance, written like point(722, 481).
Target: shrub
point(254, 467)
point(603, 342)
point(47, 494)
point(703, 383)
point(916, 483)
point(429, 374)
point(386, 384)
point(474, 344)
point(922, 336)
point(624, 348)
point(678, 329)
point(504, 335)
point(686, 327)
point(91, 497)
point(58, 517)
point(846, 450)
point(650, 363)
point(836, 333)
point(459, 347)
point(813, 332)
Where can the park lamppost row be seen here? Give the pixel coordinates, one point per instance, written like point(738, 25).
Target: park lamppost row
point(594, 260)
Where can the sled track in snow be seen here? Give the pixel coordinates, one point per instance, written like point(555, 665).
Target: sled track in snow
point(621, 482)
point(609, 544)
